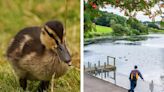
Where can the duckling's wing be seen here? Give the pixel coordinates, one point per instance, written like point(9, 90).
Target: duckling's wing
point(33, 44)
point(25, 42)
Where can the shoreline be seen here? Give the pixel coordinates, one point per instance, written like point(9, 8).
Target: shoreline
point(88, 41)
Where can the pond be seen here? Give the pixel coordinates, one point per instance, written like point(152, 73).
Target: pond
point(147, 54)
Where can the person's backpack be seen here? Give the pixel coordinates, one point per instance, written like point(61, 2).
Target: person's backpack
point(134, 76)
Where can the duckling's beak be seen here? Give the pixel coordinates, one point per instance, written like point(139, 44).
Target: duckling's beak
point(63, 54)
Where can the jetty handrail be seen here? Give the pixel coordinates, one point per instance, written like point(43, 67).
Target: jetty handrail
point(114, 60)
point(102, 68)
point(89, 66)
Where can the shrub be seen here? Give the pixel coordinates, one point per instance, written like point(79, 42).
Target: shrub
point(143, 29)
point(135, 24)
point(119, 30)
point(135, 32)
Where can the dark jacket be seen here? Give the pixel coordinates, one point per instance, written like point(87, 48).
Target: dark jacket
point(134, 75)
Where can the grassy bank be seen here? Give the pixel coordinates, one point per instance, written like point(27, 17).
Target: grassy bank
point(107, 31)
point(100, 31)
point(16, 15)
point(159, 31)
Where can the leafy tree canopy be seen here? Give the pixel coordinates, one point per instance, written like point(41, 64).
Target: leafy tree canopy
point(130, 8)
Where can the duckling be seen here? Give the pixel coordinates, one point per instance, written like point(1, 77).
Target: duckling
point(36, 53)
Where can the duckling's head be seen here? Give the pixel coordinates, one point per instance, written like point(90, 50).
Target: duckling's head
point(53, 38)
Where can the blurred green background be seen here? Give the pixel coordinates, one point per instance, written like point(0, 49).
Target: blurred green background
point(17, 14)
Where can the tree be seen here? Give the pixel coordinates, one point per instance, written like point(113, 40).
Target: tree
point(119, 30)
point(107, 18)
point(130, 7)
point(137, 25)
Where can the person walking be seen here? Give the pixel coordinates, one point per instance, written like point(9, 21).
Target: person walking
point(133, 78)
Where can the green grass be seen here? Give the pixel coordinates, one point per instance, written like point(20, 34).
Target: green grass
point(153, 30)
point(9, 81)
point(160, 31)
point(103, 29)
point(17, 14)
point(100, 31)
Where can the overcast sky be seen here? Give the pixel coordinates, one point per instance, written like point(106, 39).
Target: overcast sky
point(140, 16)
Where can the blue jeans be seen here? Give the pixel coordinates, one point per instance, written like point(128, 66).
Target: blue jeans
point(133, 84)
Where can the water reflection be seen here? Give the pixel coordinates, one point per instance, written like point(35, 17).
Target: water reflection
point(122, 42)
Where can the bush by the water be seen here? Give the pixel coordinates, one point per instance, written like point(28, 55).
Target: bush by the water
point(119, 30)
point(133, 27)
point(138, 26)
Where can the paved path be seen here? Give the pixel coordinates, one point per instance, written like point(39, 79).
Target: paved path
point(93, 84)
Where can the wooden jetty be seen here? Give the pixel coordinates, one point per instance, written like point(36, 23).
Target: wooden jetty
point(95, 84)
point(106, 67)
point(102, 69)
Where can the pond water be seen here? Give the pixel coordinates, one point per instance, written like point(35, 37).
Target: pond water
point(147, 54)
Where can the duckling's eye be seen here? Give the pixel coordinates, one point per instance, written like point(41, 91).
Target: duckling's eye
point(51, 35)
point(43, 33)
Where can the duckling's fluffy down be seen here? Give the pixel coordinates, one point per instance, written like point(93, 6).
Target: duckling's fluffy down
point(31, 60)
